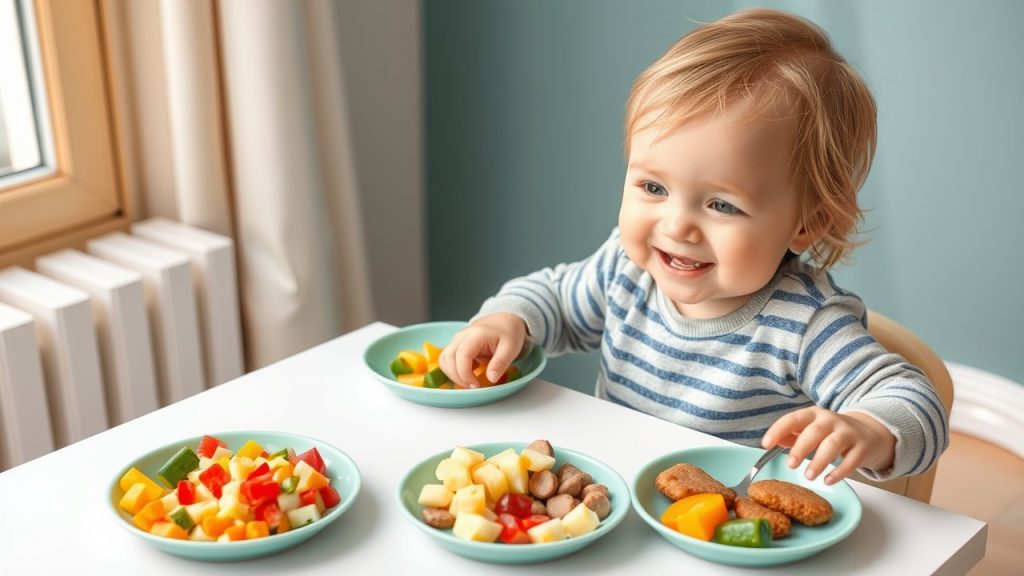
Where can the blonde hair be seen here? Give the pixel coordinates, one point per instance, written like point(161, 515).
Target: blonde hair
point(778, 62)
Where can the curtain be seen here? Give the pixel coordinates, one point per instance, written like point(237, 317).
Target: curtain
point(241, 128)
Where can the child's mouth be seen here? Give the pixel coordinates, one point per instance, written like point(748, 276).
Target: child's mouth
point(682, 263)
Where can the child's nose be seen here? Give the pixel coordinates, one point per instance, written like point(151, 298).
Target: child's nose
point(681, 224)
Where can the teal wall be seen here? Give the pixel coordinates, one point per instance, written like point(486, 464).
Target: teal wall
point(524, 112)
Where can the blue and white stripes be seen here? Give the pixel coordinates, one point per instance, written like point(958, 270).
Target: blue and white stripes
point(800, 341)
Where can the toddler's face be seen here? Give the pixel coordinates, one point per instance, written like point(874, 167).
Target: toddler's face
point(708, 209)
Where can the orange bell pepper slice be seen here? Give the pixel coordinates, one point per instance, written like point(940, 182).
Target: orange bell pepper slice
point(696, 516)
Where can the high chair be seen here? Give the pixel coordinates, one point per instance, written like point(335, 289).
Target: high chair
point(897, 339)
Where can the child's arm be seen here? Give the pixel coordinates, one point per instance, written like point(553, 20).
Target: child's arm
point(873, 408)
point(858, 438)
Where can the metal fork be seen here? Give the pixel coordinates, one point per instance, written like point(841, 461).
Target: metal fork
point(741, 488)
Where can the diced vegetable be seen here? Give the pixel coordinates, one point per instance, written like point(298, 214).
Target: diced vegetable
point(434, 379)
point(749, 532)
point(178, 467)
point(214, 478)
point(180, 517)
point(304, 515)
point(186, 492)
point(133, 476)
point(697, 515)
point(399, 367)
point(208, 446)
point(313, 458)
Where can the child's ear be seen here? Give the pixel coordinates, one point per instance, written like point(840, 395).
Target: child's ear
point(800, 242)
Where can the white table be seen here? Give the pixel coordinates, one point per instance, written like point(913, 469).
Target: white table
point(54, 517)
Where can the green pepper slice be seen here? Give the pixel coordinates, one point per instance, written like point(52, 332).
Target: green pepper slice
point(749, 532)
point(435, 379)
point(398, 367)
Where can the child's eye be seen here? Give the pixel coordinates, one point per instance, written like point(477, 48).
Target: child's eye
point(654, 189)
point(724, 207)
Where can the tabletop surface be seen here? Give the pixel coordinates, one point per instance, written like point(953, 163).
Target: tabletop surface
point(54, 516)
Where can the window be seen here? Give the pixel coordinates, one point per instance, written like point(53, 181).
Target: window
point(62, 182)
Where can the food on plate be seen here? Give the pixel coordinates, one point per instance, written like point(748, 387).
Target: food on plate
point(747, 508)
point(701, 508)
point(794, 501)
point(749, 532)
point(213, 494)
point(513, 497)
point(420, 369)
point(682, 480)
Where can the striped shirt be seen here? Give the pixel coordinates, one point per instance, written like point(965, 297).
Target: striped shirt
point(800, 341)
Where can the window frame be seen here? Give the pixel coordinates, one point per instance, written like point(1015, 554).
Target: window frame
point(85, 193)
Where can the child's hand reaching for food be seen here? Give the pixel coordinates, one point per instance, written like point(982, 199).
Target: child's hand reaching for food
point(500, 336)
point(860, 439)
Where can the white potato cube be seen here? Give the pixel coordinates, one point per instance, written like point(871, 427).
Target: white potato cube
point(302, 516)
point(515, 470)
point(170, 500)
point(580, 520)
point(199, 534)
point(203, 493)
point(550, 531)
point(288, 502)
point(232, 487)
point(201, 510)
point(221, 452)
point(435, 496)
point(535, 461)
point(493, 480)
point(471, 500)
point(240, 468)
point(476, 527)
point(453, 474)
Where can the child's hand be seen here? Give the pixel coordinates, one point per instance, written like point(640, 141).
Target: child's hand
point(500, 336)
point(859, 438)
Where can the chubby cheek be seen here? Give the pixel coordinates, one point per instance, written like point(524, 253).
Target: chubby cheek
point(634, 233)
point(747, 265)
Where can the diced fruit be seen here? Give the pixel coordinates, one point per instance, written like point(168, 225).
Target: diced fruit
point(453, 474)
point(234, 533)
point(469, 458)
point(256, 529)
point(250, 450)
point(214, 526)
point(494, 480)
point(580, 520)
point(411, 379)
point(169, 530)
point(535, 461)
point(470, 500)
point(475, 527)
point(134, 499)
point(240, 467)
point(550, 531)
point(534, 520)
point(330, 496)
point(518, 505)
point(512, 531)
point(415, 360)
point(202, 510)
point(309, 477)
point(435, 496)
point(515, 471)
point(433, 353)
point(313, 458)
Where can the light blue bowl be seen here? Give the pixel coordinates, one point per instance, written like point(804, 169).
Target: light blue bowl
point(342, 471)
point(728, 464)
point(380, 353)
point(498, 553)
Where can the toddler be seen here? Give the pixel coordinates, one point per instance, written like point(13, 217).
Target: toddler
point(746, 144)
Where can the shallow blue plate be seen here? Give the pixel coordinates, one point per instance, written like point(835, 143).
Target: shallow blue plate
point(728, 464)
point(380, 353)
point(498, 553)
point(342, 471)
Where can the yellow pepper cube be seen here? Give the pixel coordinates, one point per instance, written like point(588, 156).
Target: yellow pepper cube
point(214, 526)
point(411, 379)
point(134, 499)
point(415, 360)
point(256, 529)
point(168, 530)
point(250, 450)
point(433, 353)
point(236, 532)
point(134, 476)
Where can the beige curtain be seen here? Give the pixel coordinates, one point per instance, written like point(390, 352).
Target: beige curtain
point(241, 128)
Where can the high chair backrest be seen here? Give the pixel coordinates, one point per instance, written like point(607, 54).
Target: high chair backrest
point(895, 338)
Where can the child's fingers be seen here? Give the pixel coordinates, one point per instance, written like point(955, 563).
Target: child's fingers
point(504, 354)
point(465, 354)
point(788, 425)
point(828, 450)
point(850, 462)
point(809, 439)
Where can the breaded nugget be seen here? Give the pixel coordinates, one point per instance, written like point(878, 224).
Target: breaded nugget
point(684, 480)
point(747, 508)
point(794, 501)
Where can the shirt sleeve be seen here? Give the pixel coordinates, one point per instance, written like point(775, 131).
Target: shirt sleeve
point(564, 307)
point(844, 369)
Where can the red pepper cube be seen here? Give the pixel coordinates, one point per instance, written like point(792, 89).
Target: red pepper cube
point(269, 512)
point(208, 445)
point(533, 520)
point(518, 505)
point(308, 497)
point(512, 531)
point(260, 470)
point(214, 478)
point(259, 489)
point(330, 496)
point(186, 493)
point(312, 457)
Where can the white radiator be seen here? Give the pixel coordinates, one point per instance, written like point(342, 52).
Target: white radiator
point(89, 340)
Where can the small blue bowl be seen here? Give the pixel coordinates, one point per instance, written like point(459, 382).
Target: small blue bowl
point(728, 464)
point(342, 471)
point(497, 553)
point(381, 352)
